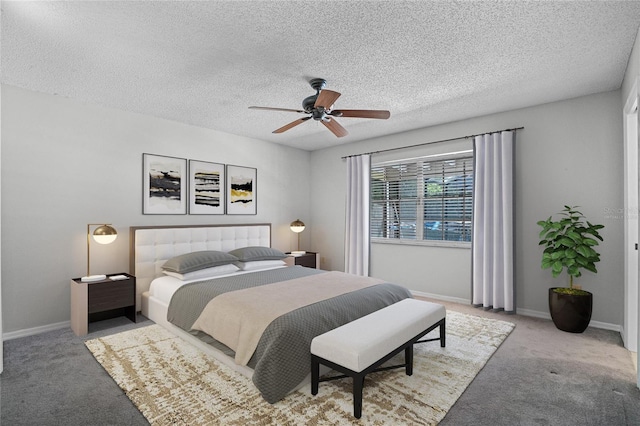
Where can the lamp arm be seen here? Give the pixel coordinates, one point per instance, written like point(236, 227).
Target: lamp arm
point(88, 247)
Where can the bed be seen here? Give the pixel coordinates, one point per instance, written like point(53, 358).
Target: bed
point(278, 363)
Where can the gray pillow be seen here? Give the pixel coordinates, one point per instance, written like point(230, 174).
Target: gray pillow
point(249, 254)
point(197, 260)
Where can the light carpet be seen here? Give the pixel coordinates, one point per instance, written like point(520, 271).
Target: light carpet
point(172, 382)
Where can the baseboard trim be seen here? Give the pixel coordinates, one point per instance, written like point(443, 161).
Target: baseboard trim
point(594, 324)
point(441, 297)
point(35, 330)
point(519, 311)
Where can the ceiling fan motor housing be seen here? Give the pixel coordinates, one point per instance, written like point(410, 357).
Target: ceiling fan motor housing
point(309, 102)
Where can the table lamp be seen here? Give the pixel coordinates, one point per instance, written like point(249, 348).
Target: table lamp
point(297, 226)
point(103, 234)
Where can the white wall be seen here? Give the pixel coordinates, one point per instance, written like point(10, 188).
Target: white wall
point(66, 164)
point(570, 152)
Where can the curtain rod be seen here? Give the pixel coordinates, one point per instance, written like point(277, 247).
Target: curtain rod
point(429, 143)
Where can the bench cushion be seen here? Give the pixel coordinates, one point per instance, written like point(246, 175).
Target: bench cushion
point(360, 343)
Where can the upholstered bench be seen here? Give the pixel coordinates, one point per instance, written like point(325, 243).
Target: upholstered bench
point(361, 346)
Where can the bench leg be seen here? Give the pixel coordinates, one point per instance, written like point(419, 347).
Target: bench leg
point(408, 360)
point(358, 384)
point(315, 374)
point(442, 334)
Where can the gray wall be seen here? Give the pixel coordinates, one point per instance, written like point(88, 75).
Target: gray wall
point(66, 164)
point(570, 152)
point(633, 69)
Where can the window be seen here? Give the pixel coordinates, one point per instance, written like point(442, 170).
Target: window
point(423, 199)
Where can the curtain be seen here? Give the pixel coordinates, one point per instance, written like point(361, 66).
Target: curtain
point(357, 215)
point(493, 244)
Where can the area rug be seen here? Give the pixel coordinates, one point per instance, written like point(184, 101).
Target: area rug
point(174, 383)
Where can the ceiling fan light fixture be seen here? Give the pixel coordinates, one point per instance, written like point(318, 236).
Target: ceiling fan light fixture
point(320, 108)
point(318, 114)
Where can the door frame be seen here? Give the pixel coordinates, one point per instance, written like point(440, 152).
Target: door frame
point(631, 322)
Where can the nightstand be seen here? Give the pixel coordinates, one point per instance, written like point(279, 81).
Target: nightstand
point(99, 300)
point(309, 260)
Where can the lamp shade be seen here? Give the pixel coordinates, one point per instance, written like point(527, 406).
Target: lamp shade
point(105, 234)
point(297, 226)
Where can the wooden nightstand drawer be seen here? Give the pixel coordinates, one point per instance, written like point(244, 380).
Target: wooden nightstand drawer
point(113, 295)
point(309, 260)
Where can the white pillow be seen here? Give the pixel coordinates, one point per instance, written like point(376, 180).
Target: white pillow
point(204, 273)
point(260, 264)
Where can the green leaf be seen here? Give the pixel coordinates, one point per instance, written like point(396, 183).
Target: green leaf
point(583, 251)
point(557, 266)
point(574, 236)
point(567, 242)
point(570, 253)
point(590, 242)
point(595, 227)
point(557, 255)
point(573, 270)
point(594, 233)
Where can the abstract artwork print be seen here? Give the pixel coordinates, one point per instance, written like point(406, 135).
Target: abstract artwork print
point(207, 191)
point(241, 190)
point(164, 185)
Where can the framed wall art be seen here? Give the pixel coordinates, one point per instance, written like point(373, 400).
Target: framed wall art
point(164, 189)
point(206, 187)
point(241, 190)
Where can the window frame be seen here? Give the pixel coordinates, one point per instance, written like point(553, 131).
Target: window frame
point(420, 208)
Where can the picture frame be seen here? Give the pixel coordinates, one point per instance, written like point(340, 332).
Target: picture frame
point(164, 188)
point(206, 187)
point(241, 190)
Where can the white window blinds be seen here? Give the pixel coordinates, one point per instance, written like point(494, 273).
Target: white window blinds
point(429, 198)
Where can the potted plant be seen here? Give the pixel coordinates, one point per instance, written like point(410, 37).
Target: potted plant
point(569, 245)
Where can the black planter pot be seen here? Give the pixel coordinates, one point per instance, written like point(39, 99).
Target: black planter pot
point(570, 312)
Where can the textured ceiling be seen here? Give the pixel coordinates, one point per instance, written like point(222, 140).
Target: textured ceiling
point(204, 63)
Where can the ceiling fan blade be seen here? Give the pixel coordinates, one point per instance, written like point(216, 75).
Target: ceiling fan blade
point(278, 109)
point(361, 113)
point(290, 125)
point(335, 127)
point(326, 98)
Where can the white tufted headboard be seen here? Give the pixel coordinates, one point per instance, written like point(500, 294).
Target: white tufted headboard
point(151, 246)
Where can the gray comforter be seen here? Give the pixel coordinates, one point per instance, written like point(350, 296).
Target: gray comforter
point(282, 359)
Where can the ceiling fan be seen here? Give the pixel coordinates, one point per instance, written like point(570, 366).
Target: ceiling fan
point(320, 108)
